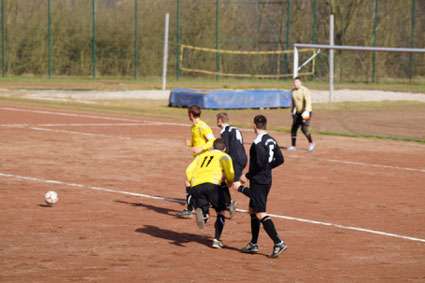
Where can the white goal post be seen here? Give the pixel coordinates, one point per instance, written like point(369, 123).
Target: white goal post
point(343, 47)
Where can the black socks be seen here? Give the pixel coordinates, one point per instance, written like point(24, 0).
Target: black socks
point(255, 228)
point(245, 190)
point(219, 224)
point(189, 198)
point(270, 229)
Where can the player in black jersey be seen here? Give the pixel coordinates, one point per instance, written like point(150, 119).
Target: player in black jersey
point(264, 155)
point(234, 147)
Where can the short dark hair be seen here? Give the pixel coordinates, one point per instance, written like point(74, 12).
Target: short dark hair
point(223, 117)
point(195, 110)
point(297, 78)
point(260, 122)
point(219, 144)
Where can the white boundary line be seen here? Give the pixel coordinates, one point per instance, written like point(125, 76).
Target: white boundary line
point(363, 164)
point(69, 114)
point(78, 133)
point(181, 201)
point(77, 125)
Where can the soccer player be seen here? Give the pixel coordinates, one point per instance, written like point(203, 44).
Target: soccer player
point(205, 174)
point(202, 138)
point(301, 113)
point(234, 147)
point(264, 155)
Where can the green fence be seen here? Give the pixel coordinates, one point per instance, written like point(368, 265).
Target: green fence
point(124, 38)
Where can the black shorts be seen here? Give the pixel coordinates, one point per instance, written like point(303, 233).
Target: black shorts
point(207, 193)
point(259, 193)
point(238, 171)
point(298, 120)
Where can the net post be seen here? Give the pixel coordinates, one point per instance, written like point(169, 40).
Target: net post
point(331, 59)
point(164, 68)
point(295, 71)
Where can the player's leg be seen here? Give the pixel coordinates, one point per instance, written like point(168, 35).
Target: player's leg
point(201, 203)
point(227, 197)
point(230, 204)
point(255, 204)
point(188, 211)
point(217, 199)
point(245, 190)
point(304, 128)
point(252, 246)
point(268, 225)
point(238, 168)
point(219, 225)
point(296, 122)
point(237, 185)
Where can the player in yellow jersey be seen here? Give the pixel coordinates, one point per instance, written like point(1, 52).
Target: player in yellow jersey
point(205, 174)
point(202, 139)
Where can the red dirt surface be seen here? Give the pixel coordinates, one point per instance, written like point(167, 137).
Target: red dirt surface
point(93, 234)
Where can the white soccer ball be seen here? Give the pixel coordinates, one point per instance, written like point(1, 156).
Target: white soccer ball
point(51, 197)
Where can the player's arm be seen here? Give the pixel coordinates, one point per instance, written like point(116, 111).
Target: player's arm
point(278, 157)
point(208, 136)
point(227, 165)
point(307, 98)
point(293, 109)
point(190, 169)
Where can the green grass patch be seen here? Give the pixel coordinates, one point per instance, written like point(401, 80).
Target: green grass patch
point(128, 83)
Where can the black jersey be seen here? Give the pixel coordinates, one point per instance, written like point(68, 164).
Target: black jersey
point(264, 155)
point(234, 145)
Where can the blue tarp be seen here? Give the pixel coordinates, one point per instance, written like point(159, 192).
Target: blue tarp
point(226, 99)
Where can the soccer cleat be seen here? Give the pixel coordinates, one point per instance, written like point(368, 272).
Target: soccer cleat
point(186, 213)
point(251, 248)
point(200, 220)
point(232, 208)
point(278, 249)
point(291, 148)
point(217, 244)
point(311, 146)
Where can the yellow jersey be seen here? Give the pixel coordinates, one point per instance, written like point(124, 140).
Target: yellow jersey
point(202, 136)
point(209, 166)
point(301, 100)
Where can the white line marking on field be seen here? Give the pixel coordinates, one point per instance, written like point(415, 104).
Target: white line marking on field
point(78, 133)
point(363, 164)
point(182, 201)
point(69, 114)
point(77, 125)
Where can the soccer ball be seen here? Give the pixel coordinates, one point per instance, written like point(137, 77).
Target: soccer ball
point(51, 197)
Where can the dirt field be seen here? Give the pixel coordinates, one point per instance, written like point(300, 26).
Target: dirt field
point(350, 211)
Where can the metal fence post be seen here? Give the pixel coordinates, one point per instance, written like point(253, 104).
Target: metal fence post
point(331, 59)
point(288, 13)
point(50, 40)
point(135, 39)
point(217, 56)
point(164, 67)
point(178, 41)
point(2, 39)
point(374, 40)
point(411, 40)
point(341, 55)
point(94, 38)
